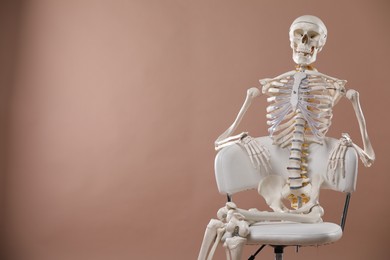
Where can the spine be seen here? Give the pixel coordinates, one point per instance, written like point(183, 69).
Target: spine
point(297, 166)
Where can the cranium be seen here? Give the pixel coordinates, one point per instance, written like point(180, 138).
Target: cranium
point(307, 36)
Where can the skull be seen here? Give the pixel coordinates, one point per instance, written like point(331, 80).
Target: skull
point(307, 36)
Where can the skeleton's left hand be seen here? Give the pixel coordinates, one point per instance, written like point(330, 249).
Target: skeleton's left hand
point(337, 156)
point(258, 154)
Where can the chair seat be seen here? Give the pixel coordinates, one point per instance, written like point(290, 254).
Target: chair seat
point(292, 234)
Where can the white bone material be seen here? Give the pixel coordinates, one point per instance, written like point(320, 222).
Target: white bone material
point(234, 247)
point(307, 36)
point(367, 155)
point(294, 161)
point(312, 93)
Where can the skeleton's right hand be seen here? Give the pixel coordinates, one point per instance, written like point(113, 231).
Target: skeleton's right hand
point(258, 154)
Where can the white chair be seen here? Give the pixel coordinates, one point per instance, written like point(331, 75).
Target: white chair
point(234, 173)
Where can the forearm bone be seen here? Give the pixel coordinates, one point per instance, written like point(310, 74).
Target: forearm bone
point(225, 138)
point(367, 154)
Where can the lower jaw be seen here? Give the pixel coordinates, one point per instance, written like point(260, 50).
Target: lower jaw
point(301, 60)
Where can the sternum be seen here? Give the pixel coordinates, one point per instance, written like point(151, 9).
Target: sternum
point(298, 78)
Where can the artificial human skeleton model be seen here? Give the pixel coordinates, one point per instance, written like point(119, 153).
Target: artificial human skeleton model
point(299, 116)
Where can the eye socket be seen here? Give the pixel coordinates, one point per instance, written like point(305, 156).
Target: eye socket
point(313, 35)
point(298, 33)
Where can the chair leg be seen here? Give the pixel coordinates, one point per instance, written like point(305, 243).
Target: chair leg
point(278, 252)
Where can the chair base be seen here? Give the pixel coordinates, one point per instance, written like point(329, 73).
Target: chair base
point(278, 252)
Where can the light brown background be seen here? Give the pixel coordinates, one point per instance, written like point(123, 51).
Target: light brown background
point(111, 109)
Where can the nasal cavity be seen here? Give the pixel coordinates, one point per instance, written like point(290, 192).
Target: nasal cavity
point(304, 38)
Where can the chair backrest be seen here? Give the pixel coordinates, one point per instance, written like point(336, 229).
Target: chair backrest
point(234, 171)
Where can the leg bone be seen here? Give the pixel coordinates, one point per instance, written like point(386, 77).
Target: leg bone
point(210, 237)
point(253, 215)
point(234, 247)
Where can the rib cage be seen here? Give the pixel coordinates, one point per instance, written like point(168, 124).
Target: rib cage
point(312, 98)
point(300, 113)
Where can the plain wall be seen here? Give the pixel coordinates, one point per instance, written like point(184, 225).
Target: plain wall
point(116, 105)
point(9, 18)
